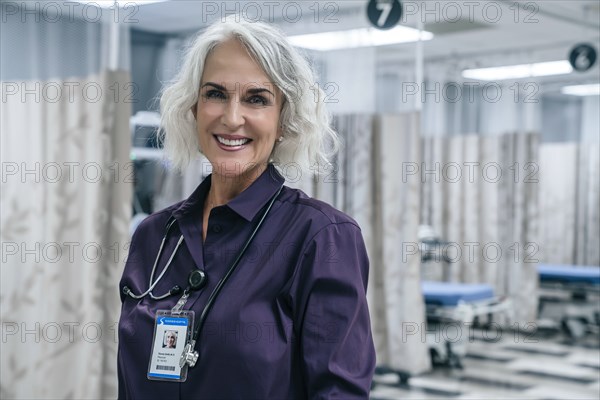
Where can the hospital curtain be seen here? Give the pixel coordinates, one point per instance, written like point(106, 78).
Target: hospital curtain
point(65, 207)
point(569, 198)
point(366, 183)
point(480, 194)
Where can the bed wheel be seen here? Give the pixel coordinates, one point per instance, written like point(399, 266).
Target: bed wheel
point(575, 328)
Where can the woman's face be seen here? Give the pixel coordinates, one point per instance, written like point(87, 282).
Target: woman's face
point(171, 340)
point(237, 113)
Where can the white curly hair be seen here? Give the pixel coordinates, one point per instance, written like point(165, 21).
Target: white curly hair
point(308, 138)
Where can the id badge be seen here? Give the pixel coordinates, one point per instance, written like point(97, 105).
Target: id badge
point(171, 333)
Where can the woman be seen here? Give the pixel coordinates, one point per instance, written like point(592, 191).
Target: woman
point(289, 320)
point(170, 339)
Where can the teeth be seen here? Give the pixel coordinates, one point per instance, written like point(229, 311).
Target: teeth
point(236, 142)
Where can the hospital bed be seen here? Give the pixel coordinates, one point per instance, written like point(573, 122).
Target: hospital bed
point(452, 308)
point(570, 297)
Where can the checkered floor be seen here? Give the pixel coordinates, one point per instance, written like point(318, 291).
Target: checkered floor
point(547, 366)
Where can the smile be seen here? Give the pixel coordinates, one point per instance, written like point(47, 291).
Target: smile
point(232, 142)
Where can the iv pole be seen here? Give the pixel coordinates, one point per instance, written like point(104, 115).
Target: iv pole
point(419, 67)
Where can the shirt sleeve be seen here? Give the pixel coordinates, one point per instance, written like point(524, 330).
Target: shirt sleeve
point(331, 315)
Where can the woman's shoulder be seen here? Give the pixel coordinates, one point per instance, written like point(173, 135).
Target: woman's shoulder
point(316, 212)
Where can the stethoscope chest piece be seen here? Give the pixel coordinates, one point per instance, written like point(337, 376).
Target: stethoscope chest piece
point(197, 279)
point(189, 355)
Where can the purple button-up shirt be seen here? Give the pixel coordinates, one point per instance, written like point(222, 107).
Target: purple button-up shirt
point(290, 323)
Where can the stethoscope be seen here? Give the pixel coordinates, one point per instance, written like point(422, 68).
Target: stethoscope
point(196, 280)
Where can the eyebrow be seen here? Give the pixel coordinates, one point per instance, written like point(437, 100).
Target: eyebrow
point(251, 90)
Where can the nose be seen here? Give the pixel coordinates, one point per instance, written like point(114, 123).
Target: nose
point(233, 116)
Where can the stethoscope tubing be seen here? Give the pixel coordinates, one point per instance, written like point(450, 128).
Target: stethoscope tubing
point(176, 289)
point(190, 355)
point(151, 285)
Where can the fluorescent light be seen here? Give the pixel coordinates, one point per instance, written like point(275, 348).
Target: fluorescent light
point(120, 3)
point(519, 71)
point(363, 37)
point(582, 90)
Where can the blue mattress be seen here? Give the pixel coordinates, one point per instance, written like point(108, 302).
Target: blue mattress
point(449, 294)
point(569, 274)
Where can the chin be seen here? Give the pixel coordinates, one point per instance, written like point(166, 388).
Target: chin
point(229, 167)
point(238, 168)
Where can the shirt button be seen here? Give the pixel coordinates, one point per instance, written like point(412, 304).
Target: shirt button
point(216, 228)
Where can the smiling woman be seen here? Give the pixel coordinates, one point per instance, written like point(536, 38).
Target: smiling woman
point(288, 319)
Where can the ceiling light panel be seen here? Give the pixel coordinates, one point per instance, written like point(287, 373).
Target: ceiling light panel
point(364, 37)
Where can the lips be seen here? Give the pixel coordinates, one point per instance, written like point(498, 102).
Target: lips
point(232, 141)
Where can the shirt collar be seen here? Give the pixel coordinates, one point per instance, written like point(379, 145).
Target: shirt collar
point(247, 204)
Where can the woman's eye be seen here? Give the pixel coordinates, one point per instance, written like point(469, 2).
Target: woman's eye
point(214, 94)
point(260, 100)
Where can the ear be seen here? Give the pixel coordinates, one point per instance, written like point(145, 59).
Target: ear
point(193, 109)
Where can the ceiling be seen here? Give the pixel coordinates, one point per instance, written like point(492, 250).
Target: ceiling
point(467, 33)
